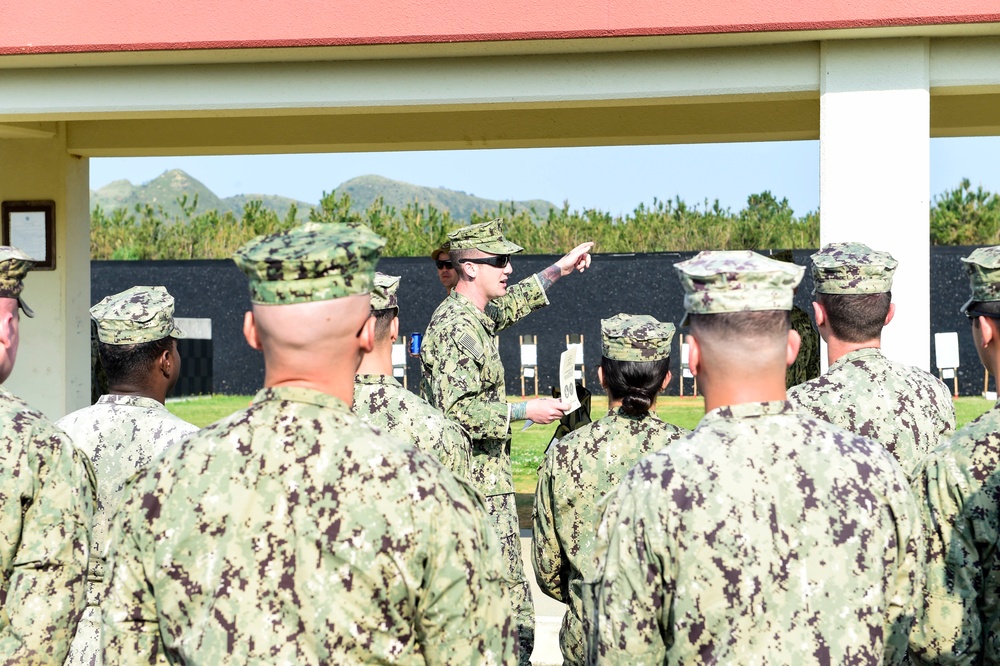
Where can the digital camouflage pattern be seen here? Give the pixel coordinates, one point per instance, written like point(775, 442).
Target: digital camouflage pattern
point(293, 533)
point(135, 316)
point(807, 362)
point(736, 281)
point(384, 292)
point(905, 409)
point(983, 269)
point(852, 268)
point(465, 377)
point(576, 474)
point(635, 338)
point(14, 266)
point(502, 511)
point(485, 237)
point(958, 488)
point(120, 434)
point(310, 262)
point(382, 401)
point(46, 506)
point(764, 537)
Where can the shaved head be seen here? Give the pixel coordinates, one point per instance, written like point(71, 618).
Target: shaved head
point(312, 342)
point(742, 346)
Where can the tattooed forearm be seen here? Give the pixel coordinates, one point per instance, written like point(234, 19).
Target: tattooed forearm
point(549, 275)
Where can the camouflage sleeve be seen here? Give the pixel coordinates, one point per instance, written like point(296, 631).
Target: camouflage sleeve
point(456, 450)
point(465, 615)
point(520, 300)
point(905, 594)
point(546, 552)
point(129, 630)
point(47, 589)
point(630, 594)
point(459, 392)
point(949, 628)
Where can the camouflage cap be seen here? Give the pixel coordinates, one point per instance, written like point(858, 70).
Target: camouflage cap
point(736, 281)
point(14, 265)
point(485, 237)
point(983, 267)
point(384, 292)
point(445, 247)
point(136, 315)
point(627, 337)
point(311, 262)
point(852, 268)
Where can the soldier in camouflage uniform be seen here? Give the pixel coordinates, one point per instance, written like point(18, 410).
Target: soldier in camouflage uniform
point(127, 427)
point(383, 402)
point(902, 407)
point(765, 536)
point(462, 368)
point(46, 506)
point(958, 488)
point(585, 465)
point(807, 362)
point(292, 532)
point(445, 269)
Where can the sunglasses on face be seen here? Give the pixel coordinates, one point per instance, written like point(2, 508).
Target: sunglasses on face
point(498, 261)
point(443, 264)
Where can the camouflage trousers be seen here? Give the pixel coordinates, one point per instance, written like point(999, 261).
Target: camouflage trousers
point(86, 647)
point(503, 512)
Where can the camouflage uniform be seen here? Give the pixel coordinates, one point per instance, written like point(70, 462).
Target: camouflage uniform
point(46, 505)
point(293, 533)
point(764, 537)
point(807, 362)
point(462, 366)
point(585, 465)
point(902, 407)
point(958, 489)
point(121, 434)
point(383, 402)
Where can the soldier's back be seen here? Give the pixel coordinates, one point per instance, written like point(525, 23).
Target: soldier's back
point(902, 407)
point(293, 533)
point(382, 401)
point(764, 537)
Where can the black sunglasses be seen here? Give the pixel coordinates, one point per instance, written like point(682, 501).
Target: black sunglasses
point(443, 263)
point(497, 261)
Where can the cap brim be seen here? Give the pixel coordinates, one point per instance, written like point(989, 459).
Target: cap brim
point(24, 307)
point(687, 320)
point(965, 308)
point(177, 333)
point(500, 247)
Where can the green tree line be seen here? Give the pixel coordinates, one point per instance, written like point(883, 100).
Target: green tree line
point(962, 216)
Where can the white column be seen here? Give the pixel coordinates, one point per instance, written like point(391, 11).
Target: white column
point(52, 370)
point(875, 170)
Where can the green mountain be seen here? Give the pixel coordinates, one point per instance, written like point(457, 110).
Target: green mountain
point(365, 189)
point(171, 186)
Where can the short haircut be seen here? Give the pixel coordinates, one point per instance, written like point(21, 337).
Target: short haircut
point(739, 325)
point(383, 322)
point(989, 309)
point(856, 317)
point(131, 364)
point(635, 383)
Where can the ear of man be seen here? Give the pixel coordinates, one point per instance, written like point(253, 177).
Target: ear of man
point(250, 331)
point(988, 330)
point(792, 350)
point(890, 314)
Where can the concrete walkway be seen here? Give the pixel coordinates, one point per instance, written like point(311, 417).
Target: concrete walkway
point(548, 614)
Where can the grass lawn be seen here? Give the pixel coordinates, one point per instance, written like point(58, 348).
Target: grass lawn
point(528, 446)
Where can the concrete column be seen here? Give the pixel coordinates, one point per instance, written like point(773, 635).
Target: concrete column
point(52, 371)
point(875, 170)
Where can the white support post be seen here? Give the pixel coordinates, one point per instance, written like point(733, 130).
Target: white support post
point(875, 170)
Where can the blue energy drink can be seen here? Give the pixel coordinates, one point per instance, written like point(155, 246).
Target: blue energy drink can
point(415, 340)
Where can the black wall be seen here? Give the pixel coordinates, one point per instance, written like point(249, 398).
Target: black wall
point(637, 284)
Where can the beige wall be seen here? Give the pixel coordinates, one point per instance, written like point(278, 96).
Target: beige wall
point(52, 372)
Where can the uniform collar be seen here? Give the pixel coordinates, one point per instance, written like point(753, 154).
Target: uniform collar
point(749, 410)
point(300, 394)
point(863, 353)
point(377, 380)
point(464, 302)
point(129, 401)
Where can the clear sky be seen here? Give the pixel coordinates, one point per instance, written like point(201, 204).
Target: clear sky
point(614, 179)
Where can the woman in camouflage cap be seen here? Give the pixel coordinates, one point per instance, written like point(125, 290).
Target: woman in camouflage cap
point(590, 461)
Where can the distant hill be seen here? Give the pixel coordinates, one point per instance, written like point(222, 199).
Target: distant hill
point(365, 189)
point(168, 187)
